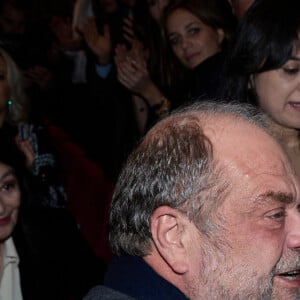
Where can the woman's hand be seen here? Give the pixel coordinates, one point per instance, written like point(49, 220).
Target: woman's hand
point(132, 68)
point(62, 29)
point(27, 149)
point(128, 30)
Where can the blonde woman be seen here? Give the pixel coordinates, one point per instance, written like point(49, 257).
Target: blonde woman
point(31, 139)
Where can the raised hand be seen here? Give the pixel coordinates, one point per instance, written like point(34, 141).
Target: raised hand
point(128, 30)
point(133, 73)
point(27, 149)
point(132, 67)
point(99, 44)
point(62, 29)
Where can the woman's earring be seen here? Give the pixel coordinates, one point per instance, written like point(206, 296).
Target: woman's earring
point(10, 105)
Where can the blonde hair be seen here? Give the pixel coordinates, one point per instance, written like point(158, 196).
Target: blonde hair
point(19, 109)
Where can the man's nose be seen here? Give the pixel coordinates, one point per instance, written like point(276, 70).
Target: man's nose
point(293, 232)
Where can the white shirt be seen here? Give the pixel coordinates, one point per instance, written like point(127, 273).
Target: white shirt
point(10, 285)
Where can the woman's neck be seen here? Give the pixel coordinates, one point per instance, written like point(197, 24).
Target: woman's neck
point(289, 137)
point(290, 141)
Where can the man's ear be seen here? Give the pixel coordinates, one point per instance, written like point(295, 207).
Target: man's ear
point(168, 228)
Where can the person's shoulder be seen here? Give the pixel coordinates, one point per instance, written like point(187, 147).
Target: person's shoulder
point(105, 293)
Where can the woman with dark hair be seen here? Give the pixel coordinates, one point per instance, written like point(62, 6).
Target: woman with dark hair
point(196, 34)
point(139, 68)
point(264, 68)
point(42, 253)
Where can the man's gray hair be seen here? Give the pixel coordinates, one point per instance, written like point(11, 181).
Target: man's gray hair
point(172, 166)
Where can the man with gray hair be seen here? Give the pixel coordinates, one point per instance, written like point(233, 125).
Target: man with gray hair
point(207, 207)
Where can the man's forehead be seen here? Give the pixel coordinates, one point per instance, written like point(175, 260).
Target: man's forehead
point(240, 144)
point(227, 127)
point(252, 160)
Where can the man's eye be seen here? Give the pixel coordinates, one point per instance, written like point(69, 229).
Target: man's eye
point(279, 216)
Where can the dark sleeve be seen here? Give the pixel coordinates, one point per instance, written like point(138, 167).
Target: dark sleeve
point(105, 293)
point(54, 257)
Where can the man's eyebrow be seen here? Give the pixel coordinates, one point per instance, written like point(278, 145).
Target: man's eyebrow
point(295, 58)
point(281, 197)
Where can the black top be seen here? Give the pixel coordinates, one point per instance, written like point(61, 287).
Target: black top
point(104, 293)
point(132, 276)
point(208, 77)
point(55, 261)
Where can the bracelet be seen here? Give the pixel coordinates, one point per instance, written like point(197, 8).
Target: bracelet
point(162, 107)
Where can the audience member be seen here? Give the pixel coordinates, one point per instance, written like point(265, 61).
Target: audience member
point(43, 254)
point(105, 110)
point(139, 67)
point(202, 30)
point(264, 68)
point(32, 139)
point(13, 17)
point(196, 35)
point(207, 207)
point(25, 41)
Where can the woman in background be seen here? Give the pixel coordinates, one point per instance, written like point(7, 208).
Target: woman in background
point(264, 68)
point(196, 35)
point(32, 139)
point(43, 254)
point(194, 32)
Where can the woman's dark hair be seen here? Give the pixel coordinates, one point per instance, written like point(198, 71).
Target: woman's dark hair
point(213, 13)
point(11, 156)
point(265, 40)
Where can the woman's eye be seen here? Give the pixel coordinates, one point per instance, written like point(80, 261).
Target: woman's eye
point(8, 186)
point(174, 41)
point(194, 30)
point(291, 71)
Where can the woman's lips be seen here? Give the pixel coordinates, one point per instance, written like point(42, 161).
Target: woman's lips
point(5, 220)
point(190, 57)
